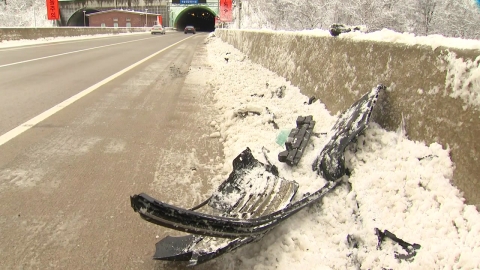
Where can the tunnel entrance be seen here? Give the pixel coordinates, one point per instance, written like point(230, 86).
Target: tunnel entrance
point(79, 18)
point(201, 18)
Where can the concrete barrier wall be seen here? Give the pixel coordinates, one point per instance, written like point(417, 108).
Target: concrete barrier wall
point(36, 33)
point(434, 91)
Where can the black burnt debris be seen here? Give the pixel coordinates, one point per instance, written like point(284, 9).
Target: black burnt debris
point(411, 249)
point(245, 214)
point(311, 100)
point(254, 199)
point(297, 141)
point(330, 163)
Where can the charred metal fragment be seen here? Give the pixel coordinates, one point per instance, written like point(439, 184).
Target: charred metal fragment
point(411, 249)
point(297, 141)
point(251, 202)
point(330, 163)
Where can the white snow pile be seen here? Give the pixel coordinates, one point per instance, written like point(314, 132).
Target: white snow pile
point(396, 184)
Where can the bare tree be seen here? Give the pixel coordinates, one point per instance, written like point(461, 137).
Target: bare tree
point(309, 14)
point(426, 9)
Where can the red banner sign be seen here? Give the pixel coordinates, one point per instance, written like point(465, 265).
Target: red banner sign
point(159, 20)
point(226, 10)
point(53, 12)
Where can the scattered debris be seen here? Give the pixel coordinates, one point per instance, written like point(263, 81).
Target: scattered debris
point(254, 199)
point(279, 92)
point(352, 241)
point(269, 166)
point(409, 248)
point(311, 100)
point(246, 110)
point(427, 157)
point(331, 161)
point(177, 72)
point(241, 196)
point(337, 29)
point(272, 121)
point(297, 141)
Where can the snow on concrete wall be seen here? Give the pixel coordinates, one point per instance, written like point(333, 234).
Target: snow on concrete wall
point(434, 91)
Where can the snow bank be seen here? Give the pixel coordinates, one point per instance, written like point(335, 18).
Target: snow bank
point(434, 94)
point(396, 184)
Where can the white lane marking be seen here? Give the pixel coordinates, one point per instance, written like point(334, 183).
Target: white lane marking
point(56, 55)
point(37, 119)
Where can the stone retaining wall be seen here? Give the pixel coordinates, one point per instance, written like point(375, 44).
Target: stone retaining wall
point(435, 91)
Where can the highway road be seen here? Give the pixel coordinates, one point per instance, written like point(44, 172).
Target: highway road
point(85, 124)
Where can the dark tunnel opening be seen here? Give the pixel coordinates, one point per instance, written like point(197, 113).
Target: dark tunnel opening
point(79, 18)
point(202, 19)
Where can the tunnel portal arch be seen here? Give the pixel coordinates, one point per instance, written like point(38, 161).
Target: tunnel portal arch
point(78, 18)
point(202, 18)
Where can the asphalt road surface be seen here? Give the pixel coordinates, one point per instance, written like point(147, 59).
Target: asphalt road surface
point(84, 125)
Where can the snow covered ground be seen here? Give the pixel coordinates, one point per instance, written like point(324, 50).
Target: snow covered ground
point(396, 184)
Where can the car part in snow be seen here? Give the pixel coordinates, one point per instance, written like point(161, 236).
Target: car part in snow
point(251, 202)
point(297, 141)
point(245, 203)
point(331, 161)
point(311, 100)
point(409, 248)
point(337, 29)
point(251, 191)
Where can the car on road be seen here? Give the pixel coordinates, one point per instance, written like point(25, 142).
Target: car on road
point(157, 29)
point(189, 29)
